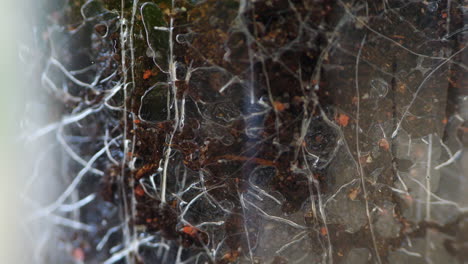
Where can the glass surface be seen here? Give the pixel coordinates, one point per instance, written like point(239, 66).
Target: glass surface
point(267, 131)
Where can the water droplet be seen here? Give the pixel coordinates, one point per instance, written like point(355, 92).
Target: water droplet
point(379, 88)
point(184, 38)
point(432, 6)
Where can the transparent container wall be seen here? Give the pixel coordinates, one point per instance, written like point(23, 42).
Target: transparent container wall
point(238, 131)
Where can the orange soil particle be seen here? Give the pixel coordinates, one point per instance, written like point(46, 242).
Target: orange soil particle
point(147, 74)
point(354, 193)
point(78, 254)
point(139, 191)
point(279, 106)
point(342, 120)
point(145, 169)
point(231, 256)
point(263, 162)
point(190, 230)
point(383, 143)
point(323, 231)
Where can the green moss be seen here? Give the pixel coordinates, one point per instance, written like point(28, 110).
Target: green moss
point(154, 105)
point(157, 39)
point(116, 4)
